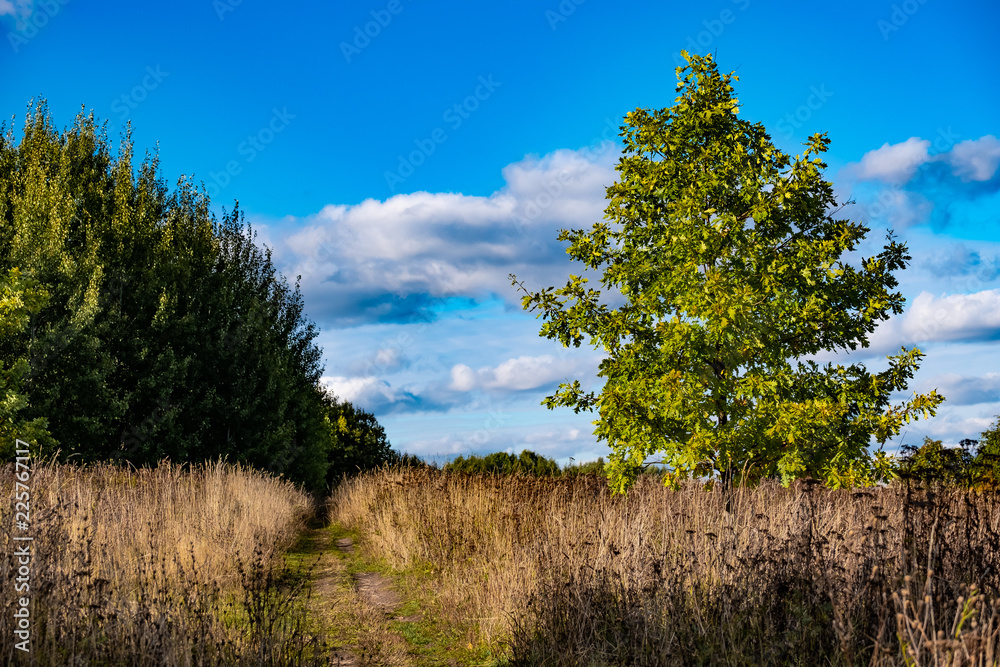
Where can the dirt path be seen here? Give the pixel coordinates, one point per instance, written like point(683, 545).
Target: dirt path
point(355, 609)
point(375, 589)
point(329, 592)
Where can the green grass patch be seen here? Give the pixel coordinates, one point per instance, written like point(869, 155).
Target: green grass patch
point(431, 640)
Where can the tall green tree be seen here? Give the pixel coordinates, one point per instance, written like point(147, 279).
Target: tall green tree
point(726, 256)
point(164, 332)
point(20, 298)
point(986, 464)
point(361, 441)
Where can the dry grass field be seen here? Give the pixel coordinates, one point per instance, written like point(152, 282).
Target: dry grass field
point(167, 566)
point(553, 571)
point(189, 566)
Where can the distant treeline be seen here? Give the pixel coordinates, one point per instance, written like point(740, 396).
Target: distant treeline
point(136, 326)
point(527, 463)
point(973, 464)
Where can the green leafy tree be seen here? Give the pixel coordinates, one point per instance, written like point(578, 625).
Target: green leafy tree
point(597, 467)
point(164, 332)
point(360, 442)
point(986, 463)
point(726, 258)
point(20, 298)
point(503, 463)
point(934, 463)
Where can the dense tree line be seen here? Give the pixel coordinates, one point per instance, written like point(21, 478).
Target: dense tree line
point(973, 464)
point(137, 326)
point(502, 463)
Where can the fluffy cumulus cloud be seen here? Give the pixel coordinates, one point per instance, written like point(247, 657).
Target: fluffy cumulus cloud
point(954, 318)
point(385, 360)
point(965, 390)
point(369, 393)
point(463, 388)
point(396, 260)
point(951, 183)
point(893, 163)
point(499, 432)
point(976, 160)
point(19, 9)
point(951, 427)
point(515, 374)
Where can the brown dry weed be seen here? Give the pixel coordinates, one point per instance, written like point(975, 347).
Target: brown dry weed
point(177, 565)
point(560, 572)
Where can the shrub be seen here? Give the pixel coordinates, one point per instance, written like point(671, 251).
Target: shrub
point(502, 463)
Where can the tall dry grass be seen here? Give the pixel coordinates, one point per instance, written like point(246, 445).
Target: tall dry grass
point(559, 572)
point(174, 565)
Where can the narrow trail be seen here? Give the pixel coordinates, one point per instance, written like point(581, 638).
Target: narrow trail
point(354, 609)
point(329, 594)
point(375, 589)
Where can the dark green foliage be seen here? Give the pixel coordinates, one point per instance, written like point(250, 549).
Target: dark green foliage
point(20, 298)
point(361, 442)
point(502, 463)
point(933, 462)
point(597, 467)
point(987, 461)
point(165, 333)
point(973, 464)
point(405, 460)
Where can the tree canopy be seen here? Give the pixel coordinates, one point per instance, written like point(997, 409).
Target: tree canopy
point(727, 259)
point(137, 326)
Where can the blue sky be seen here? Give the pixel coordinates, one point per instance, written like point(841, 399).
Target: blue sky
point(405, 156)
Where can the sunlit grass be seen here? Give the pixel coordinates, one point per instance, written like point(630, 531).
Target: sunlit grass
point(560, 572)
point(177, 565)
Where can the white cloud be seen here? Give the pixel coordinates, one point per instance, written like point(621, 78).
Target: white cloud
point(529, 372)
point(381, 259)
point(367, 393)
point(463, 378)
point(20, 9)
point(951, 428)
point(964, 389)
point(965, 318)
point(893, 163)
point(558, 441)
point(385, 360)
point(975, 160)
point(954, 317)
point(515, 374)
